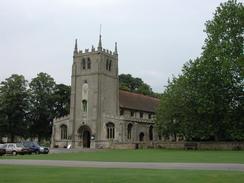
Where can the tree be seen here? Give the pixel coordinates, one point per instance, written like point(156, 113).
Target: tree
point(42, 89)
point(136, 85)
point(61, 98)
point(222, 53)
point(208, 95)
point(13, 107)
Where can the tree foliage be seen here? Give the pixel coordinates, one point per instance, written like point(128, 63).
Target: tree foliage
point(42, 90)
point(136, 85)
point(206, 101)
point(13, 107)
point(61, 100)
point(27, 110)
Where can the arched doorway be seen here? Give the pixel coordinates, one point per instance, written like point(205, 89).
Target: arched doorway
point(141, 137)
point(129, 131)
point(151, 133)
point(85, 136)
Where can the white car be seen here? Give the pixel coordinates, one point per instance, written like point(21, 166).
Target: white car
point(15, 148)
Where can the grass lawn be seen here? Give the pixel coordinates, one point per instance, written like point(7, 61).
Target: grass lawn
point(30, 174)
point(144, 155)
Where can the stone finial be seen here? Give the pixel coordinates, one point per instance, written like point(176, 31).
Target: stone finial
point(76, 47)
point(115, 49)
point(100, 43)
point(93, 49)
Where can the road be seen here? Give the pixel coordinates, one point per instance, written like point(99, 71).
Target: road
point(138, 165)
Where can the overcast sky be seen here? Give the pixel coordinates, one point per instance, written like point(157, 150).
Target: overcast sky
point(155, 37)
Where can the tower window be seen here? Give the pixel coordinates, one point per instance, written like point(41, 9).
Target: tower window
point(63, 131)
point(107, 64)
point(110, 130)
point(83, 64)
point(110, 65)
point(84, 105)
point(88, 63)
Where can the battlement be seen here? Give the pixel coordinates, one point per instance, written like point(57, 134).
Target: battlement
point(93, 50)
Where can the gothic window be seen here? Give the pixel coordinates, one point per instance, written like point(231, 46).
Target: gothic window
point(151, 133)
point(63, 131)
point(84, 105)
point(132, 113)
point(129, 130)
point(83, 63)
point(141, 114)
point(110, 130)
point(110, 65)
point(88, 63)
point(149, 116)
point(107, 64)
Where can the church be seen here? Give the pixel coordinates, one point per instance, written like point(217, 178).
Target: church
point(101, 115)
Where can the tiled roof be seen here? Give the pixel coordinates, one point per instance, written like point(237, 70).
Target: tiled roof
point(137, 101)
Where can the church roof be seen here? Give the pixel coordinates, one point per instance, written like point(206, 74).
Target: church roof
point(137, 101)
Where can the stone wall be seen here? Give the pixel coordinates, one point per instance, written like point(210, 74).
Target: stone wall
point(202, 145)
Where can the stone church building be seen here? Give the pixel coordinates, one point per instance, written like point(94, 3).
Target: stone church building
point(101, 115)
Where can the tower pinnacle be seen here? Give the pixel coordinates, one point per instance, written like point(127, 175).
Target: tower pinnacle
point(76, 47)
point(100, 39)
point(100, 43)
point(115, 49)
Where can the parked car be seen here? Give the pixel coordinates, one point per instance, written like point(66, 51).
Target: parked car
point(36, 148)
point(16, 148)
point(2, 150)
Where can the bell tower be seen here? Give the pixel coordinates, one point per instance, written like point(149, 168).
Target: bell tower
point(94, 94)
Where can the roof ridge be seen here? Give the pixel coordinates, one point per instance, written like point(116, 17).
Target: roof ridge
point(140, 94)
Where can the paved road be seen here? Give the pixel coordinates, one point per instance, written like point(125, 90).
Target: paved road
point(96, 164)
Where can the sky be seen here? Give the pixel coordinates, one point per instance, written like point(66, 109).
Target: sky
point(155, 37)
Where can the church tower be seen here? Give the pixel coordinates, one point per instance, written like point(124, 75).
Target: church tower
point(94, 96)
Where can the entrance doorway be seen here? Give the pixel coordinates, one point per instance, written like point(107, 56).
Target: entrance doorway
point(86, 139)
point(85, 136)
point(141, 137)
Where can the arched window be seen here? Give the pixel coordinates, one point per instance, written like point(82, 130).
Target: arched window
point(63, 131)
point(110, 65)
point(151, 133)
point(141, 137)
point(107, 64)
point(88, 63)
point(129, 130)
point(84, 105)
point(110, 130)
point(83, 63)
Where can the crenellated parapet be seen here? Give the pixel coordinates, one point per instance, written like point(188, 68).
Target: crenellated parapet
point(93, 50)
point(99, 49)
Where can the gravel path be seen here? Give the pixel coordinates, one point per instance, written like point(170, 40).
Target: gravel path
point(139, 165)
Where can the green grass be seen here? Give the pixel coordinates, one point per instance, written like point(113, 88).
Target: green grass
point(145, 155)
point(30, 174)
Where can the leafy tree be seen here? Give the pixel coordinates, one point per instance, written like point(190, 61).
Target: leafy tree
point(207, 99)
point(136, 85)
point(13, 107)
point(42, 89)
point(222, 53)
point(61, 100)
